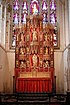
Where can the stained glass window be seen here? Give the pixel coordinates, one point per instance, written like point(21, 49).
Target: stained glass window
point(44, 11)
point(53, 19)
point(34, 7)
point(16, 12)
point(52, 12)
point(16, 9)
point(47, 8)
point(24, 12)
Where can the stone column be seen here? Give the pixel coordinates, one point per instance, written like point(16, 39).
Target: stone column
point(4, 27)
point(69, 17)
point(0, 20)
point(68, 73)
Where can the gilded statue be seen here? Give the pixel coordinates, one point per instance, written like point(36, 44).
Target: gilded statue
point(27, 50)
point(22, 65)
point(46, 52)
point(46, 64)
point(35, 60)
point(45, 37)
point(22, 51)
point(22, 37)
point(41, 50)
point(28, 63)
point(34, 35)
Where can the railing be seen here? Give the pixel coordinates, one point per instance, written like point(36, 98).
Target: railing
point(35, 99)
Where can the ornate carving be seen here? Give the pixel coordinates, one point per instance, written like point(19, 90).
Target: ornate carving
point(35, 60)
point(34, 35)
point(34, 50)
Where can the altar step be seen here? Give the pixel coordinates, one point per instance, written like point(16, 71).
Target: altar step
point(39, 99)
point(33, 98)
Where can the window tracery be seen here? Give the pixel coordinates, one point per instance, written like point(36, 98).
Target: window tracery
point(47, 8)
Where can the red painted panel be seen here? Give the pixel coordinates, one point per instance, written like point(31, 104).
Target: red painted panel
point(34, 85)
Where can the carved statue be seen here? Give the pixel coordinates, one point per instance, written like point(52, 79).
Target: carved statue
point(45, 37)
point(17, 63)
point(27, 50)
point(51, 63)
point(51, 50)
point(34, 35)
point(22, 65)
point(35, 60)
point(22, 37)
point(41, 63)
point(46, 64)
point(22, 50)
point(46, 52)
point(41, 50)
point(28, 63)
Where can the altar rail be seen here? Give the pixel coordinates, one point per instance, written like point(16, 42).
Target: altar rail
point(35, 99)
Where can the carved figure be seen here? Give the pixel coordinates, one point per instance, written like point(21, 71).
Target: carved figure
point(27, 50)
point(22, 65)
point(17, 63)
point(28, 63)
point(41, 50)
point(34, 35)
point(35, 60)
point(45, 37)
point(21, 51)
point(46, 50)
point(22, 37)
point(46, 64)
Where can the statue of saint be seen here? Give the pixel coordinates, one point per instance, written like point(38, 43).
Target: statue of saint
point(35, 60)
point(17, 63)
point(22, 37)
point(46, 50)
point(34, 35)
point(22, 65)
point(46, 64)
point(28, 63)
point(21, 51)
point(27, 50)
point(45, 37)
point(41, 50)
point(51, 50)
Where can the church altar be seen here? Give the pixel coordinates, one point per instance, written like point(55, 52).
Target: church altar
point(34, 56)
